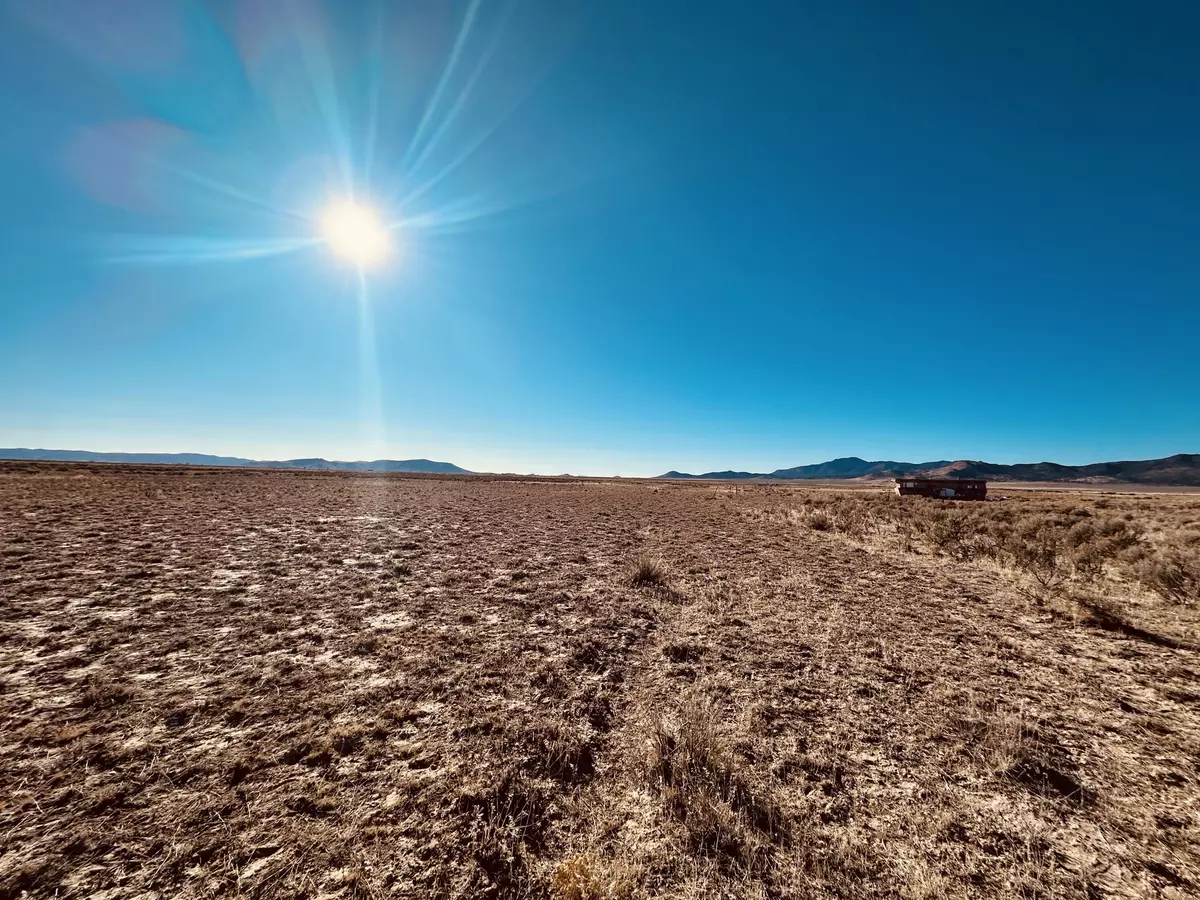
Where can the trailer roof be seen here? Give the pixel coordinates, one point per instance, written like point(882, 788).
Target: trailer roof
point(949, 479)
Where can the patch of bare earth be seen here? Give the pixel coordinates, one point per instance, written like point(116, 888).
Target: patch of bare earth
point(303, 684)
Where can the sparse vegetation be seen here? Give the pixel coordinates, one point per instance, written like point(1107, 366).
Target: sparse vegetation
point(277, 684)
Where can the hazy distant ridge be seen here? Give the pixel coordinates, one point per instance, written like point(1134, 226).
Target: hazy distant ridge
point(1181, 469)
point(203, 459)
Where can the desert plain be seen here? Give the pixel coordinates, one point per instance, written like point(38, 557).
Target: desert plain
point(268, 684)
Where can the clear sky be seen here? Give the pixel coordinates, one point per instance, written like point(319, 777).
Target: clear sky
point(629, 235)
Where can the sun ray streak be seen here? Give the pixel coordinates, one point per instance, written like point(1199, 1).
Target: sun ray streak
point(464, 94)
point(325, 90)
point(118, 150)
point(469, 209)
point(231, 192)
point(435, 100)
point(447, 169)
point(370, 391)
point(376, 63)
point(186, 250)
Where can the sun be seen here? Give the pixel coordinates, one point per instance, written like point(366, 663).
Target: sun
point(355, 233)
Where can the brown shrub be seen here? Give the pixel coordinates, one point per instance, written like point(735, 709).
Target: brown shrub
point(1036, 548)
point(819, 521)
point(1172, 575)
point(948, 532)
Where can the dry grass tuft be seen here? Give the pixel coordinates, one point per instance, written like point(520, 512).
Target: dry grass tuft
point(104, 692)
point(505, 823)
point(725, 812)
point(648, 572)
point(584, 877)
point(1011, 744)
point(559, 751)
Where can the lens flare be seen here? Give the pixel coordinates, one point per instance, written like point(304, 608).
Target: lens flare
point(355, 233)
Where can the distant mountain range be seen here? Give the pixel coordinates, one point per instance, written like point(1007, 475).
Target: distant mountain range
point(1181, 469)
point(203, 459)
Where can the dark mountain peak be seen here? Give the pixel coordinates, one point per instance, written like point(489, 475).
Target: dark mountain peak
point(852, 467)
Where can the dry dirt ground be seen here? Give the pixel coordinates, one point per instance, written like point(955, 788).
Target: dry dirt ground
point(306, 684)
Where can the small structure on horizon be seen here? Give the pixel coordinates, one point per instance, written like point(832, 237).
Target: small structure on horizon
point(943, 488)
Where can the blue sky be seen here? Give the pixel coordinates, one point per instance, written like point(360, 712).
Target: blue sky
point(629, 236)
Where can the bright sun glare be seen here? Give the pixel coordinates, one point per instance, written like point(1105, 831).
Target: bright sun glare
point(354, 232)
